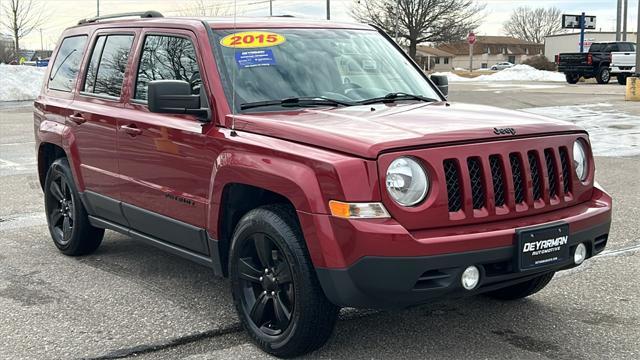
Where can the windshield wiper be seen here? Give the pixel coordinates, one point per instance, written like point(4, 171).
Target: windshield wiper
point(391, 97)
point(297, 101)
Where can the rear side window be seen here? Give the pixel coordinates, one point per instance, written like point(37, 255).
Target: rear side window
point(108, 64)
point(167, 58)
point(67, 63)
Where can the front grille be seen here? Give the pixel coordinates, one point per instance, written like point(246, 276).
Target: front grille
point(564, 160)
point(518, 178)
point(497, 175)
point(551, 171)
point(536, 178)
point(454, 191)
point(477, 185)
point(511, 177)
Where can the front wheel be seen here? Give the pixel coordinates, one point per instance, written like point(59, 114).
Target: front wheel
point(603, 76)
point(522, 290)
point(275, 289)
point(66, 216)
point(572, 78)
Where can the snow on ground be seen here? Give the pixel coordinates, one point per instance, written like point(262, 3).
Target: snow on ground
point(612, 132)
point(20, 82)
point(519, 72)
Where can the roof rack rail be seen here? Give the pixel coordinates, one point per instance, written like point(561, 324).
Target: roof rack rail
point(141, 14)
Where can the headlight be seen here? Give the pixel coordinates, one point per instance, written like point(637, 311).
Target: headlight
point(407, 182)
point(580, 160)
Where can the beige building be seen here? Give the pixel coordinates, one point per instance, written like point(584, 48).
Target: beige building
point(490, 50)
point(432, 59)
point(564, 43)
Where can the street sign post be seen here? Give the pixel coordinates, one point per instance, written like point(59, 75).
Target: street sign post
point(471, 39)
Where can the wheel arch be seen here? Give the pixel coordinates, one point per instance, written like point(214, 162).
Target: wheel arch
point(243, 181)
point(47, 154)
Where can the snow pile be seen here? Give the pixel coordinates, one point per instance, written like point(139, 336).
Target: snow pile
point(20, 82)
point(519, 72)
point(611, 131)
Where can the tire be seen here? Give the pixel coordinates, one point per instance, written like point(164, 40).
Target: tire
point(522, 290)
point(283, 307)
point(67, 218)
point(603, 76)
point(572, 78)
point(622, 79)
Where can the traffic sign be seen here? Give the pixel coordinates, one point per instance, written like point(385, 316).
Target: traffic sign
point(471, 38)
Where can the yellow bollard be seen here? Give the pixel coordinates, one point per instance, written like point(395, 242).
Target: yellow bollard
point(633, 89)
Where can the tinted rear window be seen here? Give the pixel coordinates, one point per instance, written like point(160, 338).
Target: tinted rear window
point(67, 63)
point(108, 64)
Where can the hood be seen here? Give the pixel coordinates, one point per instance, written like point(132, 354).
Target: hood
point(366, 131)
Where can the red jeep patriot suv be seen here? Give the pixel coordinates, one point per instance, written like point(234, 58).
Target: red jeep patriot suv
point(312, 163)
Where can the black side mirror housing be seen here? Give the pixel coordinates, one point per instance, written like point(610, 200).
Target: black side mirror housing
point(174, 97)
point(442, 82)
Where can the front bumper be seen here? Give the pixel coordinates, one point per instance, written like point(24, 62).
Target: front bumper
point(396, 282)
point(381, 265)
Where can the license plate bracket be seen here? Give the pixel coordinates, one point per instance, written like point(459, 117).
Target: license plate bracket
point(542, 246)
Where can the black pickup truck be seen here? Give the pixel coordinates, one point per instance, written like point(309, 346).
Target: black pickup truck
point(594, 63)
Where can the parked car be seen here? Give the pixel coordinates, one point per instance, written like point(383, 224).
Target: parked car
point(594, 63)
point(502, 66)
point(348, 180)
point(623, 65)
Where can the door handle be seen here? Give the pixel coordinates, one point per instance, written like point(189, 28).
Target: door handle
point(131, 129)
point(77, 119)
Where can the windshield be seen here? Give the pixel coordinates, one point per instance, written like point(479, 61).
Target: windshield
point(342, 65)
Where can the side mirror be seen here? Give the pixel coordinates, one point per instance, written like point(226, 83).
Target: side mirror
point(174, 97)
point(442, 82)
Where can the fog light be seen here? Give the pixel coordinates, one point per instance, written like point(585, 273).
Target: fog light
point(580, 254)
point(470, 277)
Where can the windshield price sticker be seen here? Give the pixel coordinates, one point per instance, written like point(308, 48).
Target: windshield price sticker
point(255, 58)
point(252, 39)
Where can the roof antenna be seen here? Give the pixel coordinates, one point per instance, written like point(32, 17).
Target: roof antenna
point(233, 76)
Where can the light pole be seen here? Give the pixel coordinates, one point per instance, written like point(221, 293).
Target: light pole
point(270, 7)
point(624, 20)
point(328, 10)
point(97, 7)
point(618, 20)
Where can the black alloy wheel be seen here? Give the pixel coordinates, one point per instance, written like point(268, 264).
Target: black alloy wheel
point(68, 221)
point(267, 286)
point(61, 209)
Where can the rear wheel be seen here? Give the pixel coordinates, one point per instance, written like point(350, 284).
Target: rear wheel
point(67, 219)
point(622, 79)
point(572, 78)
point(275, 290)
point(603, 76)
point(522, 290)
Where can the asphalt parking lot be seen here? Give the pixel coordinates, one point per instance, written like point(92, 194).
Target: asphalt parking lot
point(131, 300)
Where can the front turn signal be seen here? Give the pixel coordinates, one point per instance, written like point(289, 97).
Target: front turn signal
point(358, 210)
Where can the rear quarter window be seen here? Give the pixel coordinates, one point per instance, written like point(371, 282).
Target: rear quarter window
point(67, 63)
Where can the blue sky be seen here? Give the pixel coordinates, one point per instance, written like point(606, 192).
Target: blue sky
point(64, 13)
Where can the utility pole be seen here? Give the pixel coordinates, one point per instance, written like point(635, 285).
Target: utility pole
point(624, 20)
point(41, 43)
point(328, 10)
point(582, 33)
point(638, 43)
point(618, 20)
point(98, 7)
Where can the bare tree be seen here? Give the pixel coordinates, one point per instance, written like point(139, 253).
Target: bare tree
point(418, 21)
point(534, 24)
point(20, 17)
point(207, 8)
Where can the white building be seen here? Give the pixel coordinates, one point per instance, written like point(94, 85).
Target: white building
point(564, 43)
